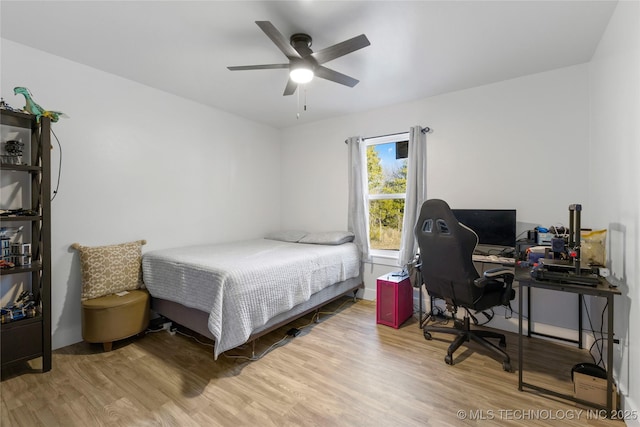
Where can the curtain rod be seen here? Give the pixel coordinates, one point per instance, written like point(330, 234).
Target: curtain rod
point(425, 129)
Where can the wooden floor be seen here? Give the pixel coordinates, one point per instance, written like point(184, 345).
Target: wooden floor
point(343, 371)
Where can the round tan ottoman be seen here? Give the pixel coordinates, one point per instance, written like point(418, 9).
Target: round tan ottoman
point(112, 318)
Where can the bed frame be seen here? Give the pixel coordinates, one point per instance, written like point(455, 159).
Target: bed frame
point(197, 320)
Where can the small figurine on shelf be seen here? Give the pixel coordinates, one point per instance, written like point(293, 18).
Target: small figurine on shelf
point(5, 106)
point(23, 307)
point(32, 107)
point(24, 298)
point(6, 264)
point(13, 150)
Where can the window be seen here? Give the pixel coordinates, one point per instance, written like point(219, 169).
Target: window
point(387, 188)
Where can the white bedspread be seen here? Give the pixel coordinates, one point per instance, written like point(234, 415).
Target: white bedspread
point(244, 284)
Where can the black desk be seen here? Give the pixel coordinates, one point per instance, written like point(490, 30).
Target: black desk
point(603, 290)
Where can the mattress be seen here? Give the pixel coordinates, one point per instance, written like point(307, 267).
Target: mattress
point(242, 285)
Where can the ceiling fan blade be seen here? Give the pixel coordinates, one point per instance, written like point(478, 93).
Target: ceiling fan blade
point(277, 38)
point(290, 88)
point(334, 76)
point(341, 49)
point(258, 67)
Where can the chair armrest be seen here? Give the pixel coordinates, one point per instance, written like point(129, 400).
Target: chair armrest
point(504, 275)
point(500, 275)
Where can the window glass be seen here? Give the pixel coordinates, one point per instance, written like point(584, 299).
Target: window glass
point(387, 179)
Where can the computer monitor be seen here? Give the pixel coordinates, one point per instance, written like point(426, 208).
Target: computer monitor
point(494, 227)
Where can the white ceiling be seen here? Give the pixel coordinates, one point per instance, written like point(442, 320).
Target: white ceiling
point(418, 48)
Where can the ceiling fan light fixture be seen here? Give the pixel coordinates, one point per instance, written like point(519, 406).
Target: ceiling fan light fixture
point(301, 75)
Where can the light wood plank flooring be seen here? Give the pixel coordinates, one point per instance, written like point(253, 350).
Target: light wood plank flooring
point(343, 371)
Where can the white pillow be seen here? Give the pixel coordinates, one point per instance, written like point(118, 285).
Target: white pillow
point(328, 238)
point(292, 236)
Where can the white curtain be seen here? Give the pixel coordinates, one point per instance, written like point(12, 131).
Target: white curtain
point(358, 217)
point(416, 193)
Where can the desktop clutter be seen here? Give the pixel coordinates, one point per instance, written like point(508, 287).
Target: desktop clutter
point(566, 255)
point(574, 259)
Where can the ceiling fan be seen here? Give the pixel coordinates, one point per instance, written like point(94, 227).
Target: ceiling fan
point(305, 63)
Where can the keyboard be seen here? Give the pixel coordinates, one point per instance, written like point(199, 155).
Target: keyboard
point(494, 259)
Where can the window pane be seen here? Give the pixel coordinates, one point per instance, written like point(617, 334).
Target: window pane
point(385, 223)
point(387, 175)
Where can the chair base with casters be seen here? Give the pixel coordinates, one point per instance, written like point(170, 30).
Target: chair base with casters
point(462, 328)
point(111, 318)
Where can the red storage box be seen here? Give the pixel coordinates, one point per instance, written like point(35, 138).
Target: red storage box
point(394, 299)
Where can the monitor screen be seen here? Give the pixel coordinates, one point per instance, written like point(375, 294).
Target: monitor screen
point(496, 227)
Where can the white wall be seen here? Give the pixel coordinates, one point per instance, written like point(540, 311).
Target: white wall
point(614, 181)
point(520, 144)
point(141, 164)
point(518, 129)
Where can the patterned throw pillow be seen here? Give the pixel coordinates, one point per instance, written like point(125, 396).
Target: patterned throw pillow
point(110, 269)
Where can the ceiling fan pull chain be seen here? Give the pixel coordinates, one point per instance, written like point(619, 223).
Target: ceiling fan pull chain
point(297, 104)
point(305, 98)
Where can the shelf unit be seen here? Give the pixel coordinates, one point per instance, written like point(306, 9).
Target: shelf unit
point(28, 186)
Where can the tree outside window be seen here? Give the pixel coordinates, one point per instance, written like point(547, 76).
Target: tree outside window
point(387, 178)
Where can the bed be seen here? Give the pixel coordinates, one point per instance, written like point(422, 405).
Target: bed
point(236, 292)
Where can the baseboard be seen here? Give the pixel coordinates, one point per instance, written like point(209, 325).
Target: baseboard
point(63, 337)
point(367, 294)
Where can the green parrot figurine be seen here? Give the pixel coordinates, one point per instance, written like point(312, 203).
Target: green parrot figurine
point(33, 108)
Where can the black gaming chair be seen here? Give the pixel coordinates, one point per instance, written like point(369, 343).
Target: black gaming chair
point(448, 273)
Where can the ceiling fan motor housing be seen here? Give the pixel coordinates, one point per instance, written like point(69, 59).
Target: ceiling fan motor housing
point(301, 42)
